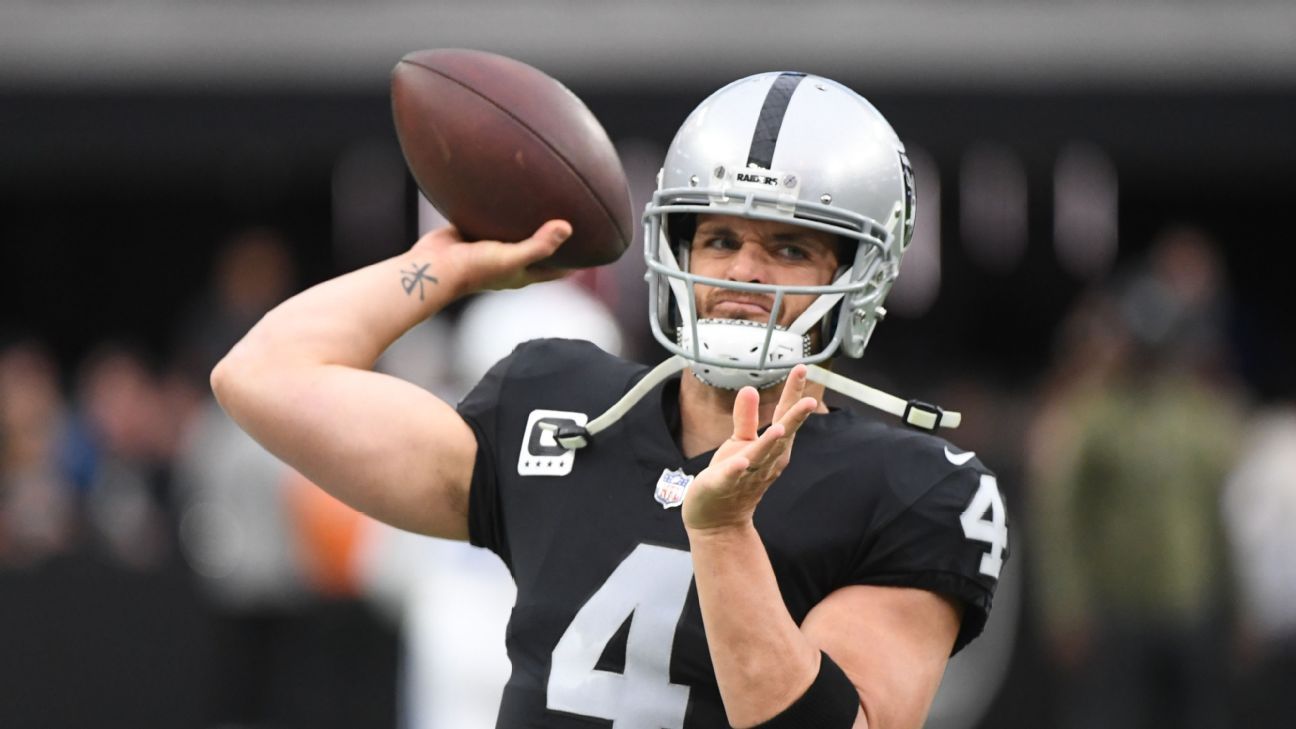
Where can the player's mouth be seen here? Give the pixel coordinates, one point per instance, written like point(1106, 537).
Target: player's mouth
point(740, 308)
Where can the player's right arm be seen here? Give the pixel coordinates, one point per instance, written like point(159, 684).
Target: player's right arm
point(301, 381)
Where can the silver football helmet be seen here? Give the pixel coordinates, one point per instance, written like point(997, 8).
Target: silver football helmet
point(793, 148)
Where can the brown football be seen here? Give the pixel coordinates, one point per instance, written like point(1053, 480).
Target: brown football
point(499, 148)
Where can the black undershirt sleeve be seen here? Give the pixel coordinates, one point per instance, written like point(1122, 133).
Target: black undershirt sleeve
point(482, 410)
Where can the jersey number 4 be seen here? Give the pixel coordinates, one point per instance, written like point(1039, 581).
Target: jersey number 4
point(648, 588)
point(986, 521)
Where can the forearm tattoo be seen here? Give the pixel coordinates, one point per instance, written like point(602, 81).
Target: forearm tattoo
point(414, 278)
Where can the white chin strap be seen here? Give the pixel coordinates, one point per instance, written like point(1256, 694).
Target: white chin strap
point(915, 413)
point(742, 342)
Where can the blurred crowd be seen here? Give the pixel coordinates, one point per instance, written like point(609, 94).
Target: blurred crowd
point(1153, 512)
point(1157, 508)
point(316, 616)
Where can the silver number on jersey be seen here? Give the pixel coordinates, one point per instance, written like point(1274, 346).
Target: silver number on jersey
point(986, 521)
point(649, 588)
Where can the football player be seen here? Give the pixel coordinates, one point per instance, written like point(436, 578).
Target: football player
point(704, 544)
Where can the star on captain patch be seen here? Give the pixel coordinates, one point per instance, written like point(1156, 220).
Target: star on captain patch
point(671, 487)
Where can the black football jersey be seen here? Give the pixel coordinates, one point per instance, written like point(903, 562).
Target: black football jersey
point(606, 630)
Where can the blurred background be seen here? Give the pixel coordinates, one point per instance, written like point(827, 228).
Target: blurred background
point(1099, 281)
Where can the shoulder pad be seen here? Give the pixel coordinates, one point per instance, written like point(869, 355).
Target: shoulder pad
point(913, 462)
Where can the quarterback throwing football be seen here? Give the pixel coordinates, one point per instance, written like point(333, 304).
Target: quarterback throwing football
point(702, 544)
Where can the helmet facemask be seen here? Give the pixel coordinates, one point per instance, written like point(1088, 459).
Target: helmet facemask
point(731, 353)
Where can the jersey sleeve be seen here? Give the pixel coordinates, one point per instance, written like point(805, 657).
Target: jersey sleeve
point(482, 409)
point(951, 539)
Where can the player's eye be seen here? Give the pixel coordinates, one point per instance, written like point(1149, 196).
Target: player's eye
point(722, 243)
point(794, 252)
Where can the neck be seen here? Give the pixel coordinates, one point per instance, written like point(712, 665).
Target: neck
point(706, 412)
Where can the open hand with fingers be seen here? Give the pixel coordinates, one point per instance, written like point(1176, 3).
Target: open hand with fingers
point(726, 493)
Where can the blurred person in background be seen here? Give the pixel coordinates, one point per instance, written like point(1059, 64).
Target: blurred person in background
point(253, 271)
point(231, 491)
point(294, 645)
point(1128, 455)
point(1260, 513)
point(119, 454)
point(37, 508)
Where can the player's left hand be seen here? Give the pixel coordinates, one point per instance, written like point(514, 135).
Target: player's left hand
point(726, 493)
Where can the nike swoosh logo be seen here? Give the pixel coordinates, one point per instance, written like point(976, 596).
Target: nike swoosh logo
point(958, 459)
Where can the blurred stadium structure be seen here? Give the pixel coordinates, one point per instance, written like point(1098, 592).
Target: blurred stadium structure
point(933, 43)
point(1052, 142)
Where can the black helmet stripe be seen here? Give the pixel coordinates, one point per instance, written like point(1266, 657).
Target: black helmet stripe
point(771, 119)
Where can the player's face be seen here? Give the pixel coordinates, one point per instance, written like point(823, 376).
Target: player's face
point(758, 251)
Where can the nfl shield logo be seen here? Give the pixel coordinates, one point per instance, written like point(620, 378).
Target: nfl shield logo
point(671, 487)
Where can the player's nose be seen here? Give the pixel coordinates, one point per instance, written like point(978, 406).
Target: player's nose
point(749, 264)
